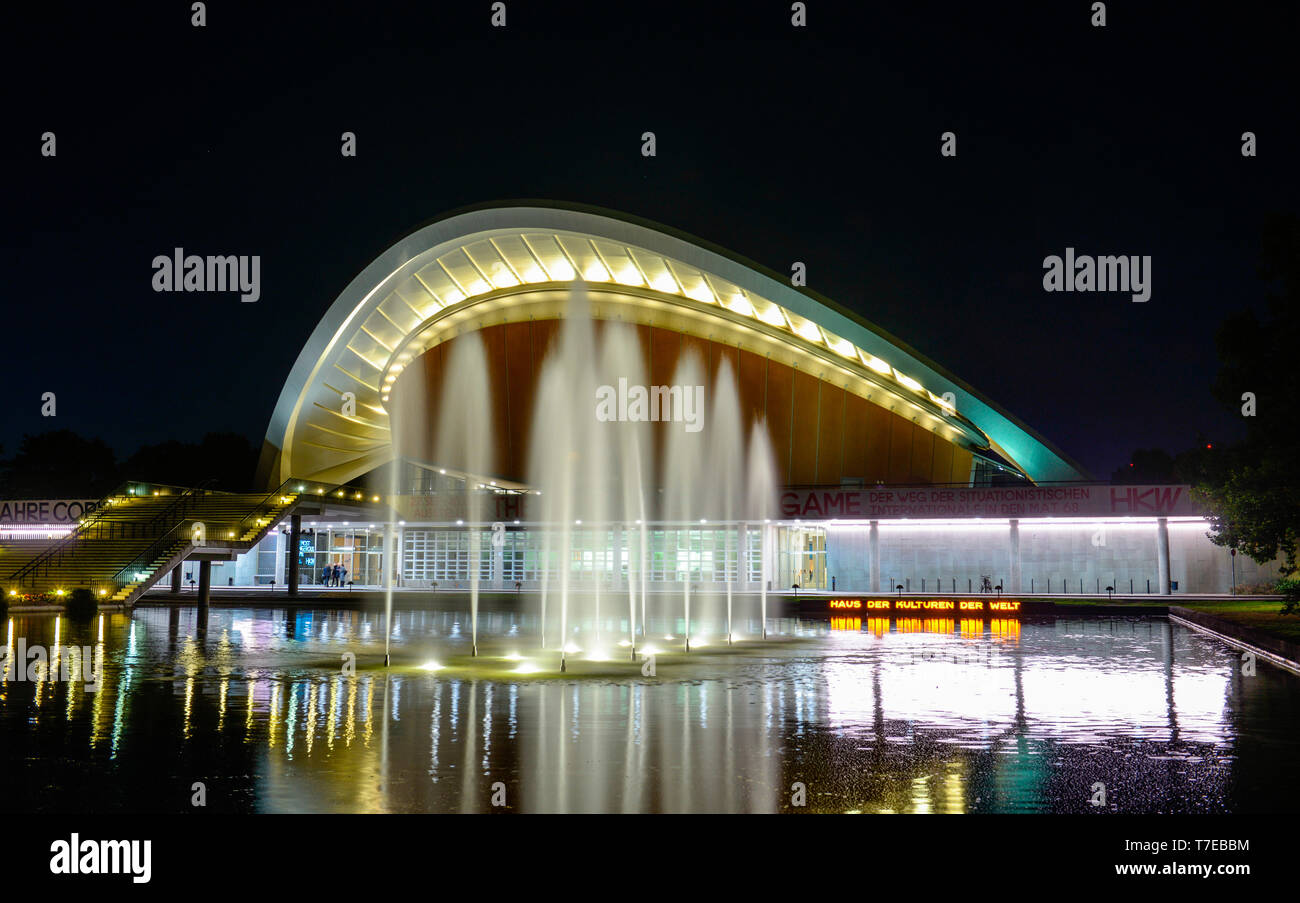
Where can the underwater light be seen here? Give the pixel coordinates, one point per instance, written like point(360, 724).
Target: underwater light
point(431, 666)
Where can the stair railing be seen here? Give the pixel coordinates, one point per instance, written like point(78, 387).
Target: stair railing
point(178, 534)
point(289, 488)
point(70, 545)
point(181, 532)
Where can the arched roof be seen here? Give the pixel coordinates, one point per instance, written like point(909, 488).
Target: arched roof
point(494, 261)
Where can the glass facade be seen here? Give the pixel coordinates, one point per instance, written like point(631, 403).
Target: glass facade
point(359, 550)
point(802, 558)
point(440, 555)
point(444, 556)
point(705, 555)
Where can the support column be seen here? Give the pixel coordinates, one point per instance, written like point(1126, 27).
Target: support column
point(295, 534)
point(395, 564)
point(176, 578)
point(499, 560)
point(1162, 554)
point(873, 567)
point(771, 572)
point(743, 583)
point(281, 577)
point(205, 582)
point(1015, 558)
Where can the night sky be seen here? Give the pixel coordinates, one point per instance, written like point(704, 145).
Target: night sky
point(818, 144)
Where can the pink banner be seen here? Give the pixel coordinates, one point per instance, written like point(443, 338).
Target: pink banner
point(1029, 501)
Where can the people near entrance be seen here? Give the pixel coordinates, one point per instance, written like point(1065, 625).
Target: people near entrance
point(333, 575)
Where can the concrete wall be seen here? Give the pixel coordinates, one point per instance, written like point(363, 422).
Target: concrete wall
point(1099, 555)
point(1200, 562)
point(1052, 555)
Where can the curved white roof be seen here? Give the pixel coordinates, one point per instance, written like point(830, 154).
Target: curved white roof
point(490, 263)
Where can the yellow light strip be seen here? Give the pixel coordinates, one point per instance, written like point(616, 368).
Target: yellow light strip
point(602, 269)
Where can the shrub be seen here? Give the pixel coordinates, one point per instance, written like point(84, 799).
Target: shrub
point(1289, 587)
point(1255, 589)
point(81, 604)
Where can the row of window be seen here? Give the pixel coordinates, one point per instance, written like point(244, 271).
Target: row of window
point(708, 556)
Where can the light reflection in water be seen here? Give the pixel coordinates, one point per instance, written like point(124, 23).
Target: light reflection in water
point(874, 715)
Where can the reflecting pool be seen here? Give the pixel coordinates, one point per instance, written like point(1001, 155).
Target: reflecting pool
point(265, 709)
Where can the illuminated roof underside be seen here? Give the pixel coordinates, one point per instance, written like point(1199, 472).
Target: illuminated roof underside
point(507, 263)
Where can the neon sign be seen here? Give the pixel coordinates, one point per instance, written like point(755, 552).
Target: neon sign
point(908, 605)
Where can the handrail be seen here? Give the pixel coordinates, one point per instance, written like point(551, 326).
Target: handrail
point(124, 576)
point(166, 526)
point(102, 506)
point(207, 482)
point(279, 492)
point(285, 489)
point(70, 544)
point(183, 502)
point(146, 557)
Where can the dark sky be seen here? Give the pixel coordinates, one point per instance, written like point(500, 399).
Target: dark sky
point(818, 144)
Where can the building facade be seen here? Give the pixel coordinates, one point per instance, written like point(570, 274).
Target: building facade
point(891, 465)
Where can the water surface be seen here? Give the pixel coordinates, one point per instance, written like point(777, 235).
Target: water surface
point(887, 715)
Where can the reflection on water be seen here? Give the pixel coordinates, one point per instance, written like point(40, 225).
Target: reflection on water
point(869, 715)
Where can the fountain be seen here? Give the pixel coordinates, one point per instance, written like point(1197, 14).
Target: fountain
point(761, 491)
point(725, 445)
point(683, 480)
point(463, 436)
point(659, 490)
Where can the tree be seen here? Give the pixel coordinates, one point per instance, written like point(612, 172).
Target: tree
point(227, 458)
point(1252, 490)
point(62, 464)
point(1147, 465)
point(59, 464)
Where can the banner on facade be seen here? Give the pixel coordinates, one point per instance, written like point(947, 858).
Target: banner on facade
point(1006, 501)
point(45, 511)
point(870, 504)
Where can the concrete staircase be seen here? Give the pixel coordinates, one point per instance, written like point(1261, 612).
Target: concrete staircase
point(134, 538)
